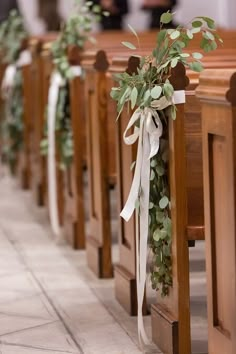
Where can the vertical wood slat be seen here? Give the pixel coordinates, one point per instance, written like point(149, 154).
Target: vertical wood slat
point(171, 315)
point(74, 215)
point(217, 93)
point(98, 244)
point(25, 160)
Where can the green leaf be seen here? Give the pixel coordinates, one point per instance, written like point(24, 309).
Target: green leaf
point(161, 36)
point(196, 66)
point(160, 170)
point(129, 45)
point(175, 34)
point(160, 216)
point(156, 92)
point(210, 22)
point(189, 34)
point(159, 235)
point(166, 17)
point(185, 55)
point(133, 97)
point(197, 23)
point(133, 31)
point(197, 55)
point(152, 175)
point(209, 35)
point(163, 203)
point(151, 205)
point(174, 62)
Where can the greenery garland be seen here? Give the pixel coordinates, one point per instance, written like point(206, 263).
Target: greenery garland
point(12, 37)
point(75, 32)
point(143, 89)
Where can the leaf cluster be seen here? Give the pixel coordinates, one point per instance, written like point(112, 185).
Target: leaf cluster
point(12, 36)
point(12, 125)
point(146, 88)
point(151, 80)
point(75, 32)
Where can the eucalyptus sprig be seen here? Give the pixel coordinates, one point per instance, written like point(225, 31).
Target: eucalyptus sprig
point(75, 32)
point(151, 80)
point(144, 89)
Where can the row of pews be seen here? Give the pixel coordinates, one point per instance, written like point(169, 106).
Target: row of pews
point(202, 154)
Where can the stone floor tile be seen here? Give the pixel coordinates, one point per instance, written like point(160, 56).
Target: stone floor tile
point(51, 336)
point(34, 307)
point(15, 349)
point(12, 323)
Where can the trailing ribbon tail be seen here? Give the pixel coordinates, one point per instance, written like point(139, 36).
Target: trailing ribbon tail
point(57, 81)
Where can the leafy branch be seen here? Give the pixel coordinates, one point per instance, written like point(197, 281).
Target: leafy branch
point(75, 32)
point(144, 89)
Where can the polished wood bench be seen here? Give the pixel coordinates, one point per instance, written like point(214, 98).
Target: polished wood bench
point(217, 95)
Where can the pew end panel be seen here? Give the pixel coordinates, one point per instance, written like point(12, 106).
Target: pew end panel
point(217, 93)
point(125, 270)
point(98, 244)
point(74, 214)
point(171, 314)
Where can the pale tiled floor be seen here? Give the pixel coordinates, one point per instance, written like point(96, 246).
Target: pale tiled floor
point(51, 303)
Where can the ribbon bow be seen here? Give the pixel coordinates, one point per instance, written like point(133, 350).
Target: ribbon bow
point(148, 135)
point(10, 72)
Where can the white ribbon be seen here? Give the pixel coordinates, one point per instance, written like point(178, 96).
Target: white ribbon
point(148, 134)
point(56, 83)
point(10, 72)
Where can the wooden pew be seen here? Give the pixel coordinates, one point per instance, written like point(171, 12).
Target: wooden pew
point(217, 94)
point(25, 157)
point(74, 214)
point(47, 69)
point(38, 96)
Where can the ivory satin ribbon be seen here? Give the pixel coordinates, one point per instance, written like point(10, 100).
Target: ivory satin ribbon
point(148, 135)
point(56, 83)
point(10, 72)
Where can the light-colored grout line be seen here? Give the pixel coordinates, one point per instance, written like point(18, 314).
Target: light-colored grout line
point(27, 328)
point(35, 347)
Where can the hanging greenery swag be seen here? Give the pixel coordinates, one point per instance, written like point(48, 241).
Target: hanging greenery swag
point(12, 38)
point(146, 89)
point(75, 32)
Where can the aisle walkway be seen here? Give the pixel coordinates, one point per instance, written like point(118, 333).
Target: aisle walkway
point(49, 301)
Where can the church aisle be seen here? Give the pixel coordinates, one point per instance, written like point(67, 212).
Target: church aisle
point(49, 301)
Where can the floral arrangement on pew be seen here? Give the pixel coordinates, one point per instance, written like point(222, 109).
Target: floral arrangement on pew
point(58, 132)
point(13, 37)
point(150, 91)
point(75, 32)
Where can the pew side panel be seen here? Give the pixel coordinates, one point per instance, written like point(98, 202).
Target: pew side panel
point(217, 93)
point(25, 161)
point(171, 314)
point(125, 270)
point(98, 244)
point(74, 214)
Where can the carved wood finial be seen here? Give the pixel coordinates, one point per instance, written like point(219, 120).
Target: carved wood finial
point(74, 55)
point(178, 77)
point(101, 63)
point(133, 64)
point(231, 93)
